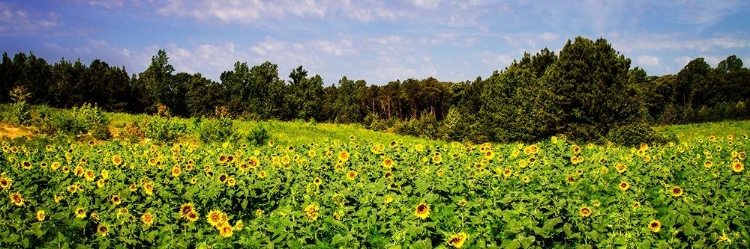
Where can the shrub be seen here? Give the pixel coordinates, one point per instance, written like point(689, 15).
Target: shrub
point(162, 129)
point(209, 130)
point(637, 133)
point(258, 135)
point(132, 133)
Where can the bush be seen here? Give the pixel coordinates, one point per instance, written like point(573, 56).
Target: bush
point(20, 113)
point(132, 133)
point(258, 135)
point(211, 130)
point(637, 133)
point(162, 129)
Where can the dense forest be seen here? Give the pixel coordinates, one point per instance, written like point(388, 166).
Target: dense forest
point(588, 92)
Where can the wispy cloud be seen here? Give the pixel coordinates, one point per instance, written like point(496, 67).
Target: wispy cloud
point(15, 21)
point(647, 60)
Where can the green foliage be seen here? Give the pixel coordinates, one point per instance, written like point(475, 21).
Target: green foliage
point(215, 130)
point(79, 120)
point(162, 129)
point(258, 135)
point(637, 133)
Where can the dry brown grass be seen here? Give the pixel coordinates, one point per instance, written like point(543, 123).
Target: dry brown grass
point(14, 131)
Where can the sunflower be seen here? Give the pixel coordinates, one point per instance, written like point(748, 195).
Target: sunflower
point(152, 161)
point(344, 156)
point(258, 212)
point(570, 179)
point(317, 181)
point(620, 167)
point(223, 159)
point(707, 164)
point(116, 200)
point(585, 212)
point(351, 175)
point(192, 216)
point(440, 172)
point(231, 181)
point(223, 178)
point(387, 199)
point(16, 199)
point(253, 162)
point(186, 209)
point(54, 166)
point(94, 216)
point(26, 165)
point(457, 240)
point(262, 174)
point(507, 173)
point(193, 180)
point(6, 183)
point(225, 230)
point(463, 202)
point(737, 166)
point(676, 191)
point(624, 185)
point(116, 160)
point(103, 229)
point(57, 198)
point(176, 171)
point(312, 211)
point(238, 225)
point(72, 188)
point(214, 217)
point(133, 187)
point(89, 175)
point(654, 225)
point(66, 169)
point(148, 188)
point(80, 213)
point(388, 163)
point(40, 215)
point(147, 219)
point(100, 183)
point(525, 179)
point(422, 211)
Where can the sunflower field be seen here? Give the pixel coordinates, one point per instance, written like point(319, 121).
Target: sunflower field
point(357, 193)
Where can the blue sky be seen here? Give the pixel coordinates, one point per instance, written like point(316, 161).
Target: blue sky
point(378, 41)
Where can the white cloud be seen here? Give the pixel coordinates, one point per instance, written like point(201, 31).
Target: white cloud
point(682, 61)
point(426, 4)
point(676, 41)
point(647, 60)
point(14, 21)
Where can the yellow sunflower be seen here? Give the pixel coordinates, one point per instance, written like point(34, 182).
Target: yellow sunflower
point(214, 217)
point(147, 219)
point(457, 240)
point(677, 191)
point(40, 215)
point(6, 183)
point(116, 200)
point(737, 166)
point(186, 209)
point(422, 211)
point(623, 185)
point(654, 225)
point(225, 230)
point(80, 213)
point(351, 175)
point(103, 229)
point(585, 212)
point(388, 163)
point(312, 211)
point(16, 199)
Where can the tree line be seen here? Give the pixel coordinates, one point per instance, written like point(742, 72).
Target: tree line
point(588, 92)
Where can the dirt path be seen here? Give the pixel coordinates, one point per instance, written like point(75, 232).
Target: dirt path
point(14, 131)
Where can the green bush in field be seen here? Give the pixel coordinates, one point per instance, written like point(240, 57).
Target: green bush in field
point(162, 129)
point(258, 135)
point(211, 130)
